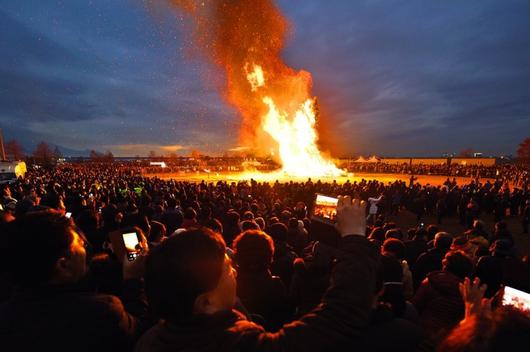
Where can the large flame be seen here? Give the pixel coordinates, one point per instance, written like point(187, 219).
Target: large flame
point(245, 38)
point(296, 135)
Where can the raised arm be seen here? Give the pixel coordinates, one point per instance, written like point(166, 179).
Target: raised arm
point(346, 306)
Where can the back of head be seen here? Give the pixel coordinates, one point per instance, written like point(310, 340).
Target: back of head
point(215, 225)
point(443, 241)
point(421, 234)
point(138, 220)
point(293, 224)
point(87, 221)
point(432, 230)
point(253, 251)
point(180, 269)
point(248, 215)
point(394, 233)
point(35, 243)
point(502, 248)
point(458, 263)
point(278, 232)
point(190, 214)
point(394, 247)
point(507, 329)
point(232, 218)
point(261, 223)
point(52, 200)
point(171, 202)
point(158, 231)
point(378, 234)
point(249, 225)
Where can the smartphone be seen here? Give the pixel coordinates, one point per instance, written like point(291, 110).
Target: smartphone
point(68, 215)
point(325, 209)
point(516, 298)
point(130, 239)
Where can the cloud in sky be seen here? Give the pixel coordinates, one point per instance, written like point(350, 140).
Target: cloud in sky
point(142, 149)
point(393, 77)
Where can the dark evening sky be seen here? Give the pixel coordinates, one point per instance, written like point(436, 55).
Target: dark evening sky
point(407, 77)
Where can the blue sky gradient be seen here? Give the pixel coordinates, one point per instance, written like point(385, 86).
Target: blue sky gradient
point(405, 77)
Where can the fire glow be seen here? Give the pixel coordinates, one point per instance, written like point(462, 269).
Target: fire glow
point(245, 38)
point(296, 135)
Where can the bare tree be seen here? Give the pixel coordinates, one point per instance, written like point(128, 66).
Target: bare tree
point(523, 152)
point(109, 157)
point(466, 153)
point(57, 153)
point(14, 150)
point(43, 154)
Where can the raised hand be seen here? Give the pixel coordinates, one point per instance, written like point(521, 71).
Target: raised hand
point(351, 216)
point(473, 296)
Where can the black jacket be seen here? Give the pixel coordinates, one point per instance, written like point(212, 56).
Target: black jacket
point(68, 318)
point(340, 319)
point(426, 263)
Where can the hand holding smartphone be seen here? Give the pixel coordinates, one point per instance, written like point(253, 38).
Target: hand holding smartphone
point(131, 242)
point(126, 242)
point(325, 209)
point(347, 215)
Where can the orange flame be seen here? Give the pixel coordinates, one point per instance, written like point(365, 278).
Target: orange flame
point(245, 38)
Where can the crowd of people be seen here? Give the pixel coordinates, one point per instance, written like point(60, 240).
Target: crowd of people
point(515, 174)
point(244, 266)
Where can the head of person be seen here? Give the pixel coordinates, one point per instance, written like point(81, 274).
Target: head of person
point(507, 329)
point(232, 219)
point(45, 248)
point(501, 248)
point(443, 241)
point(378, 234)
point(248, 215)
point(461, 243)
point(458, 263)
point(88, 221)
point(421, 234)
point(394, 233)
point(253, 251)
point(478, 225)
point(190, 214)
point(138, 220)
point(292, 224)
point(261, 223)
point(53, 200)
point(249, 225)
point(158, 232)
point(278, 232)
point(432, 230)
point(190, 274)
point(394, 247)
point(501, 228)
point(214, 225)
